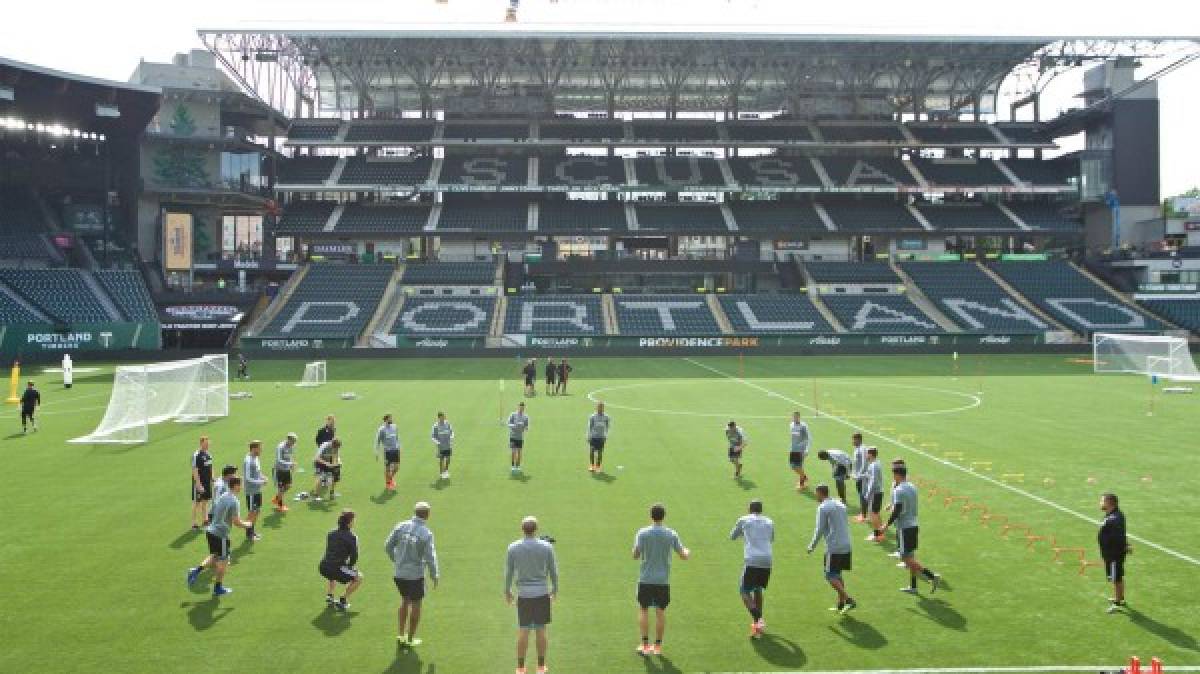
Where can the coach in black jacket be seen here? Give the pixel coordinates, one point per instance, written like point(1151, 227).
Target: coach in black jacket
point(1113, 547)
point(341, 555)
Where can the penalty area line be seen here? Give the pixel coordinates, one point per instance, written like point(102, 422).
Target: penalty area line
point(944, 462)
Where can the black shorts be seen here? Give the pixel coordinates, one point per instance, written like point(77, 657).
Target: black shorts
point(322, 469)
point(338, 574)
point(755, 578)
point(283, 479)
point(444, 453)
point(533, 612)
point(336, 471)
point(1114, 568)
point(597, 443)
point(550, 381)
point(859, 485)
point(391, 456)
point(516, 443)
point(796, 459)
point(653, 596)
point(529, 381)
point(199, 496)
point(27, 413)
point(411, 589)
point(841, 473)
point(876, 504)
point(835, 564)
point(218, 546)
point(735, 455)
point(254, 502)
point(908, 542)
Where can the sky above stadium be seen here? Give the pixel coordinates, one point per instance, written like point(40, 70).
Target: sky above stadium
point(102, 39)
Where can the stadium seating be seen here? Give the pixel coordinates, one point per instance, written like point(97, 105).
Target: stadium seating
point(12, 311)
point(962, 172)
point(689, 131)
point(399, 132)
point(128, 291)
point(652, 315)
point(24, 247)
point(774, 172)
point(554, 315)
point(953, 134)
point(773, 314)
point(970, 298)
point(449, 273)
point(867, 171)
point(777, 217)
point(680, 218)
point(673, 172)
point(484, 171)
point(851, 133)
point(305, 216)
point(313, 131)
point(581, 171)
point(870, 215)
point(306, 170)
point(476, 214)
point(1184, 313)
point(581, 217)
point(1023, 133)
point(894, 314)
point(1041, 172)
point(1062, 292)
point(582, 131)
point(411, 171)
point(62, 294)
point(360, 218)
point(332, 301)
point(959, 216)
point(759, 131)
point(1044, 216)
point(472, 131)
point(851, 273)
point(449, 316)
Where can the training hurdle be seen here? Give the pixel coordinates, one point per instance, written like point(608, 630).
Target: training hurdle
point(987, 518)
point(1010, 526)
point(1058, 550)
point(1084, 564)
point(1012, 477)
point(984, 465)
point(971, 507)
point(952, 498)
point(1032, 538)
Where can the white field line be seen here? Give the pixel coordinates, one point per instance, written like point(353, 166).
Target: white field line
point(988, 670)
point(944, 462)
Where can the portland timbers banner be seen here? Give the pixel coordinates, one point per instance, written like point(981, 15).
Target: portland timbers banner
point(23, 339)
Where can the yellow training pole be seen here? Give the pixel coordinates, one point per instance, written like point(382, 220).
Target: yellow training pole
point(14, 383)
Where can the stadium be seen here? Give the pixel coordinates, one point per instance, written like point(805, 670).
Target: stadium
point(750, 252)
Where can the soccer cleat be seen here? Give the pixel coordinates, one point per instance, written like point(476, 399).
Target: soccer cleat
point(643, 650)
point(657, 649)
point(341, 605)
point(934, 583)
point(221, 591)
point(283, 508)
point(192, 575)
point(254, 537)
point(542, 669)
point(1114, 606)
point(413, 641)
point(908, 590)
point(401, 641)
point(762, 626)
point(850, 606)
point(859, 518)
point(330, 600)
point(520, 670)
point(895, 554)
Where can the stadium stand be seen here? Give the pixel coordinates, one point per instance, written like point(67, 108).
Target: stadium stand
point(850, 133)
point(777, 217)
point(313, 130)
point(759, 131)
point(472, 131)
point(332, 301)
point(11, 311)
point(449, 273)
point(775, 172)
point(554, 315)
point(867, 171)
point(851, 272)
point(1044, 216)
point(1184, 313)
point(484, 171)
point(953, 134)
point(450, 316)
point(773, 314)
point(408, 171)
point(680, 218)
point(582, 131)
point(305, 216)
point(970, 298)
point(62, 294)
point(499, 213)
point(962, 172)
point(879, 314)
point(670, 172)
point(409, 131)
point(24, 247)
point(1041, 172)
point(306, 170)
point(967, 215)
point(581, 217)
point(650, 130)
point(366, 218)
point(581, 171)
point(652, 315)
point(128, 291)
point(870, 215)
point(1061, 291)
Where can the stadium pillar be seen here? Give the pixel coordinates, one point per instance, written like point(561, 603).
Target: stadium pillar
point(107, 173)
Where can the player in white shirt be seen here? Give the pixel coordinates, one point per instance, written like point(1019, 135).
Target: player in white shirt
point(801, 440)
point(759, 533)
point(518, 423)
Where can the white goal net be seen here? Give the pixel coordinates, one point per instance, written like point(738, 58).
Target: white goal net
point(314, 374)
point(1150, 355)
point(190, 390)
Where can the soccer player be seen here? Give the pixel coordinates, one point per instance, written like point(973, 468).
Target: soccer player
point(337, 566)
point(530, 371)
point(202, 487)
point(841, 468)
point(1113, 547)
point(30, 400)
point(653, 545)
point(252, 470)
point(737, 443)
point(388, 438)
point(833, 527)
point(531, 565)
point(598, 427)
point(874, 487)
point(518, 423)
point(326, 463)
point(801, 439)
point(858, 472)
point(759, 533)
point(551, 376)
point(285, 463)
point(326, 432)
point(410, 547)
point(225, 516)
point(443, 436)
point(243, 367)
point(904, 514)
point(564, 373)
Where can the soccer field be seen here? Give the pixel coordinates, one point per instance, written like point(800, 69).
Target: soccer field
point(96, 538)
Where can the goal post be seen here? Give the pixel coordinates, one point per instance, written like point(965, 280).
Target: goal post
point(1150, 355)
point(314, 374)
point(192, 390)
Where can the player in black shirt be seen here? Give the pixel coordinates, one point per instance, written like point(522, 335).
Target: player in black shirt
point(1113, 547)
point(202, 483)
point(530, 372)
point(243, 367)
point(337, 566)
point(30, 400)
point(551, 374)
point(564, 371)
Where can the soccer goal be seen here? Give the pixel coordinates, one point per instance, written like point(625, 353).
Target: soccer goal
point(314, 374)
point(1151, 355)
point(192, 390)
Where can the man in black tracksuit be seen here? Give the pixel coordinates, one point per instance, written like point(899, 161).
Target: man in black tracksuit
point(325, 434)
point(337, 566)
point(1113, 547)
point(30, 400)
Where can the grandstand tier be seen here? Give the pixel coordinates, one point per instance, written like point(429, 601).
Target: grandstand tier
point(302, 216)
point(367, 218)
point(685, 218)
point(771, 171)
point(867, 172)
point(476, 213)
point(581, 171)
point(398, 132)
point(332, 301)
point(677, 172)
point(966, 216)
point(868, 215)
point(554, 315)
point(449, 273)
point(581, 217)
point(409, 171)
point(970, 298)
point(962, 172)
point(447, 316)
point(63, 294)
point(777, 217)
point(851, 273)
point(1182, 312)
point(128, 291)
point(306, 170)
point(1060, 290)
point(485, 172)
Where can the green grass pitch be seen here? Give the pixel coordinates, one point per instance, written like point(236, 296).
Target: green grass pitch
point(95, 538)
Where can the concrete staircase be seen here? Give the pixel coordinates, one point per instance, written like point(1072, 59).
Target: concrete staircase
point(917, 297)
point(285, 294)
point(718, 312)
point(102, 295)
point(609, 309)
point(1024, 301)
point(498, 315)
point(815, 298)
point(389, 307)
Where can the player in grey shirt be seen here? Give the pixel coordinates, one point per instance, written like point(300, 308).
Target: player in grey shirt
point(653, 545)
point(597, 431)
point(285, 464)
point(840, 462)
point(904, 514)
point(801, 439)
point(835, 529)
point(531, 565)
point(858, 473)
point(518, 423)
point(874, 487)
point(255, 479)
point(443, 436)
point(759, 532)
point(225, 515)
point(410, 547)
point(387, 438)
